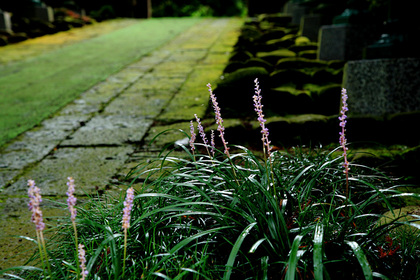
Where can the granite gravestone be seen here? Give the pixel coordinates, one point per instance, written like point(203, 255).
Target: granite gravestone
point(383, 86)
point(5, 21)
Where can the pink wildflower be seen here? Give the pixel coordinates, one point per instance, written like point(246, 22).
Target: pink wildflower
point(71, 200)
point(258, 108)
point(82, 261)
point(219, 120)
point(35, 200)
point(201, 130)
point(192, 139)
point(212, 144)
point(128, 206)
point(343, 122)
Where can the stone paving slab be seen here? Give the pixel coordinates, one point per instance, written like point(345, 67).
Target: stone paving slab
point(92, 168)
point(104, 133)
point(110, 130)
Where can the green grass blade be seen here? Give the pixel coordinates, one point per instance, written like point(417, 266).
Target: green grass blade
point(186, 241)
point(256, 245)
point(293, 258)
point(378, 275)
point(318, 241)
point(264, 267)
point(361, 257)
point(235, 250)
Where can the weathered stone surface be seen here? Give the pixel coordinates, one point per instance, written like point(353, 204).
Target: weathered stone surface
point(110, 130)
point(383, 86)
point(146, 103)
point(91, 167)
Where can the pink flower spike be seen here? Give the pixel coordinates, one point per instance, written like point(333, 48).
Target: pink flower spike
point(35, 200)
point(71, 200)
point(128, 206)
point(201, 129)
point(219, 120)
point(342, 133)
point(212, 144)
point(258, 108)
point(193, 135)
point(82, 261)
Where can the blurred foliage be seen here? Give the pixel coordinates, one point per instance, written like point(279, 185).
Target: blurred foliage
point(176, 8)
point(120, 8)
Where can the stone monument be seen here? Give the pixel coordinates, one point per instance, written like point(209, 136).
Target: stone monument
point(5, 21)
point(383, 86)
point(39, 10)
point(309, 26)
point(349, 34)
point(296, 9)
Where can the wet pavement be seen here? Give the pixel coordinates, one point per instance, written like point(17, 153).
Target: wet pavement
point(99, 136)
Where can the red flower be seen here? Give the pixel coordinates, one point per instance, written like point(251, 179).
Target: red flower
point(388, 250)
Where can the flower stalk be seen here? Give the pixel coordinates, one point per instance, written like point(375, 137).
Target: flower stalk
point(264, 131)
point(82, 261)
point(219, 120)
point(128, 206)
point(71, 203)
point(35, 200)
point(342, 139)
point(193, 136)
point(258, 108)
point(202, 133)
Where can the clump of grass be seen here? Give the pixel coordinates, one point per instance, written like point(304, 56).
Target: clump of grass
point(231, 214)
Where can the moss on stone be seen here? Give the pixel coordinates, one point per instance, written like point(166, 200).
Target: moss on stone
point(289, 76)
point(300, 63)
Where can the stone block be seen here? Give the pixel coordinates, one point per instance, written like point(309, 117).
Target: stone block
point(43, 12)
point(344, 42)
point(295, 10)
point(5, 21)
point(110, 130)
point(309, 26)
point(382, 86)
point(92, 168)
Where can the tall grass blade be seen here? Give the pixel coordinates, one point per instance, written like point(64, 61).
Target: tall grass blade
point(318, 241)
point(256, 245)
point(235, 250)
point(378, 275)
point(293, 258)
point(361, 257)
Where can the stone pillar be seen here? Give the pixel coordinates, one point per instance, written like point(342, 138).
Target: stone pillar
point(382, 86)
point(296, 10)
point(5, 21)
point(344, 41)
point(309, 26)
point(39, 11)
point(45, 13)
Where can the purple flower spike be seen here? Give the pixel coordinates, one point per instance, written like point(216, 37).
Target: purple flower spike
point(192, 139)
point(128, 206)
point(212, 144)
point(343, 122)
point(82, 261)
point(35, 200)
point(71, 200)
point(201, 130)
point(258, 108)
point(219, 120)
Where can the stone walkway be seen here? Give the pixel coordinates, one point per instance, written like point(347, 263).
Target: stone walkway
point(97, 138)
